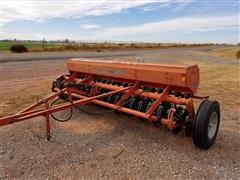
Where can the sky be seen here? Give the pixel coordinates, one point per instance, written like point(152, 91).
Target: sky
point(167, 21)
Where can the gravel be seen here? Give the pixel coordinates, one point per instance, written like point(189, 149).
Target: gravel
point(114, 146)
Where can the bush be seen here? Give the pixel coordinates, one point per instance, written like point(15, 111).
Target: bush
point(18, 48)
point(238, 54)
point(71, 47)
point(85, 46)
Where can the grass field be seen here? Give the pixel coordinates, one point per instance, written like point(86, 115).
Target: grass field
point(229, 53)
point(221, 51)
point(38, 46)
point(31, 46)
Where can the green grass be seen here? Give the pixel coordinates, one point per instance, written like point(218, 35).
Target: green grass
point(98, 47)
point(5, 46)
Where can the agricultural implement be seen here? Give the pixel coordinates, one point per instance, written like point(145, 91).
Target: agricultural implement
point(162, 94)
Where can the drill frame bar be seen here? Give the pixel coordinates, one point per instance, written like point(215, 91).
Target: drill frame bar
point(30, 113)
point(135, 91)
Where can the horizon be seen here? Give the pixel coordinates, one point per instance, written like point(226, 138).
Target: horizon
point(112, 42)
point(154, 21)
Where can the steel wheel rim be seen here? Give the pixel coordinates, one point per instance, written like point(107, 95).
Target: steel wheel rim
point(212, 126)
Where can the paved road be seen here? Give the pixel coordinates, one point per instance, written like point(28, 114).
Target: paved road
point(60, 55)
point(71, 54)
point(183, 52)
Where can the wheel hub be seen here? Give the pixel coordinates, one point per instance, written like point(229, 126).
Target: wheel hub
point(212, 126)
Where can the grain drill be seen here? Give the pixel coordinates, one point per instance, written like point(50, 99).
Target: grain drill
point(162, 94)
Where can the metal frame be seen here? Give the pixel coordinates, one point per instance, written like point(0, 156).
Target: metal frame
point(172, 78)
point(43, 108)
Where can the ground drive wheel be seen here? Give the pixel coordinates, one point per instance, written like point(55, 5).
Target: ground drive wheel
point(206, 124)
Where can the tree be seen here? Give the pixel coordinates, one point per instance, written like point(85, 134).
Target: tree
point(66, 41)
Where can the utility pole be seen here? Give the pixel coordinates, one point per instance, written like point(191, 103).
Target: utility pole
point(43, 42)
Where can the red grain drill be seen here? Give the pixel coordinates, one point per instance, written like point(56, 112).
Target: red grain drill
point(162, 94)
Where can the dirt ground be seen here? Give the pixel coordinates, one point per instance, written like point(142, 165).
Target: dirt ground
point(117, 146)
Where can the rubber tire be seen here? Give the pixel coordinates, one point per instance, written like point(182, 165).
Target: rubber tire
point(200, 129)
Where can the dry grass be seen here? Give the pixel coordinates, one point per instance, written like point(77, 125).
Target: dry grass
point(227, 52)
point(238, 54)
point(221, 82)
point(99, 47)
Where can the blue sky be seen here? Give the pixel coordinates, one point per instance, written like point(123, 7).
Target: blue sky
point(182, 21)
